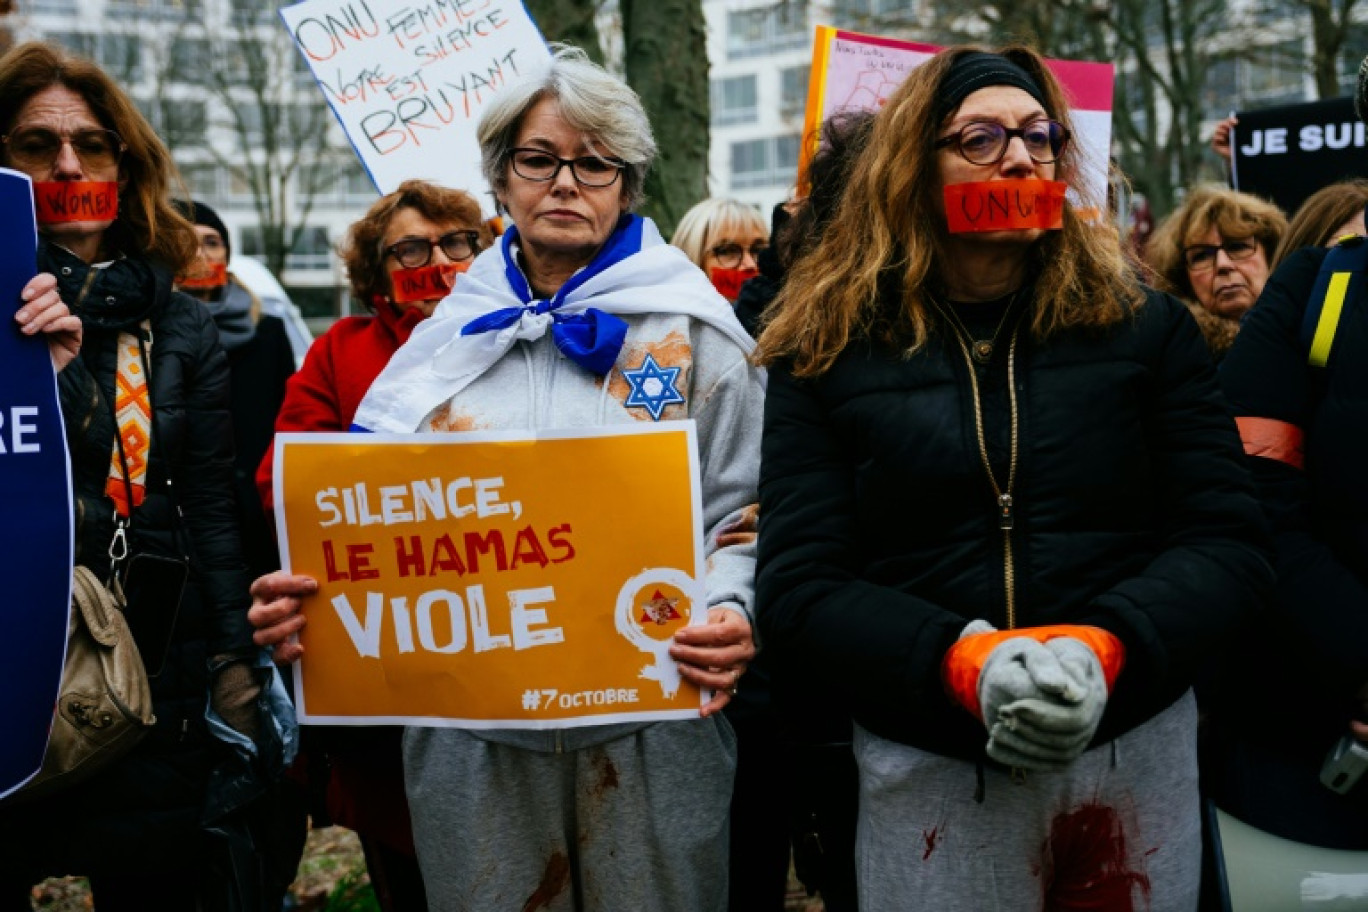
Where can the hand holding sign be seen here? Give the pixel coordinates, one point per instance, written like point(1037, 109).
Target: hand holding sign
point(45, 312)
point(715, 655)
point(277, 613)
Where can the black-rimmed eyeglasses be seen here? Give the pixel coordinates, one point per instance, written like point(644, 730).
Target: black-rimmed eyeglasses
point(38, 147)
point(589, 170)
point(729, 255)
point(1201, 257)
point(413, 252)
point(985, 142)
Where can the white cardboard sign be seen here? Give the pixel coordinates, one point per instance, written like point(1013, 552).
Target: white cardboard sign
point(409, 81)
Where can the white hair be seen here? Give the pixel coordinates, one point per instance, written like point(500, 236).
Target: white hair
point(592, 100)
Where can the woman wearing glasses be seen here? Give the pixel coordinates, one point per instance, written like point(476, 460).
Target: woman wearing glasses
point(146, 405)
point(581, 316)
point(725, 239)
point(1004, 512)
point(401, 258)
point(1214, 253)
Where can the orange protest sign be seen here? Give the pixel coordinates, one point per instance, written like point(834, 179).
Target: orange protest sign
point(75, 201)
point(493, 579)
point(425, 283)
point(1005, 205)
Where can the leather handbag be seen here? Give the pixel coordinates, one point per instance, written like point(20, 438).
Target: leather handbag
point(104, 706)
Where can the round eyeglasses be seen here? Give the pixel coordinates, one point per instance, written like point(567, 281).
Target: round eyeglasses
point(985, 142)
point(589, 170)
point(1202, 257)
point(413, 252)
point(38, 147)
point(730, 254)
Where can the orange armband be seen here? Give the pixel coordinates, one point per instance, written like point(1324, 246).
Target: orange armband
point(963, 663)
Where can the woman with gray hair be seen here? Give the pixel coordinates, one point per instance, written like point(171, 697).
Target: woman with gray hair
point(606, 324)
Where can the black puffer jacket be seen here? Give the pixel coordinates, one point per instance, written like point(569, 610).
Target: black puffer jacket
point(1291, 689)
point(147, 804)
point(879, 536)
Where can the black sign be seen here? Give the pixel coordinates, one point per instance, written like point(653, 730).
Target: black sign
point(1288, 153)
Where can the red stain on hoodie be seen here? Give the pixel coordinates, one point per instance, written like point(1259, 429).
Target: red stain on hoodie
point(1088, 866)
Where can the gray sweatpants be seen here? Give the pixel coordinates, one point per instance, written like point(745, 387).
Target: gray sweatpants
point(1118, 830)
point(636, 824)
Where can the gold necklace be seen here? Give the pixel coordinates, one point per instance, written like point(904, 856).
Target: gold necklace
point(981, 349)
point(1004, 495)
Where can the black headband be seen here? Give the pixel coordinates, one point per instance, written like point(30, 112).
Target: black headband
point(977, 70)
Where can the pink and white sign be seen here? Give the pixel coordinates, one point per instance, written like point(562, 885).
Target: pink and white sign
point(853, 70)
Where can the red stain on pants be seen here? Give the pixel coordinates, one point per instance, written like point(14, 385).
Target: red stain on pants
point(1087, 866)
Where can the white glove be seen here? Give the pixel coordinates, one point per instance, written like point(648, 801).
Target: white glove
point(1018, 668)
point(1055, 726)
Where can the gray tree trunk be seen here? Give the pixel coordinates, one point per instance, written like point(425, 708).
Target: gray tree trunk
point(569, 21)
point(666, 62)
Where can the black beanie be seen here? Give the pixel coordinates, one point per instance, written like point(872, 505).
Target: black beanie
point(200, 214)
point(977, 70)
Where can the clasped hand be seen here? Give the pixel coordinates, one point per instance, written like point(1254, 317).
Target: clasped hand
point(1042, 702)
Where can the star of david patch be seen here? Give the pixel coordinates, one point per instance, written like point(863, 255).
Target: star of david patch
point(653, 387)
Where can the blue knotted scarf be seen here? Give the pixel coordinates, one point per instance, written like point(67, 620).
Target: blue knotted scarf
point(591, 338)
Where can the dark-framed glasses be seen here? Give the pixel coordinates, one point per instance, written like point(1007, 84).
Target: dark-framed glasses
point(38, 147)
point(1202, 257)
point(589, 170)
point(985, 142)
point(413, 252)
point(730, 254)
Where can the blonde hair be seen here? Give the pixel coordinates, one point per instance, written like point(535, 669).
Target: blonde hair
point(593, 101)
point(1233, 214)
point(714, 218)
point(876, 265)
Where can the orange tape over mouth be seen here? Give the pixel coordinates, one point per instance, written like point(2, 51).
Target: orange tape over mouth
point(212, 275)
point(75, 201)
point(1005, 205)
point(425, 282)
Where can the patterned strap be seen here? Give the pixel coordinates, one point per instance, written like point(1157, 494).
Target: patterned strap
point(133, 413)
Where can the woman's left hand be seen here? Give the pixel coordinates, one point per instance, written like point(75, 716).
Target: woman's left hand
point(44, 312)
point(715, 655)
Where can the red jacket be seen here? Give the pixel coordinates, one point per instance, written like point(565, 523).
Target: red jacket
point(366, 789)
point(340, 367)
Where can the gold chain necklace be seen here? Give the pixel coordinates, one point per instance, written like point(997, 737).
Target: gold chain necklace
point(1004, 494)
point(981, 349)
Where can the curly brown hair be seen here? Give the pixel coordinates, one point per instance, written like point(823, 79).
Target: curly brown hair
point(1233, 214)
point(889, 226)
point(363, 249)
point(146, 226)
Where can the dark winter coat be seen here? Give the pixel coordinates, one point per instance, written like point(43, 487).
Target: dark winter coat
point(142, 813)
point(879, 532)
point(1290, 690)
point(259, 367)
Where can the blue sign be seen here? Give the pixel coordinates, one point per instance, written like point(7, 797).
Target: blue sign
point(35, 508)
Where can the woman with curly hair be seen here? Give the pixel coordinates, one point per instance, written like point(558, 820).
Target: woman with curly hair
point(1003, 513)
point(1214, 253)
